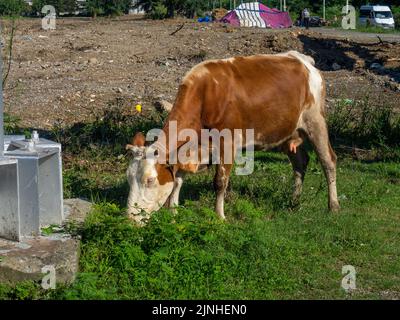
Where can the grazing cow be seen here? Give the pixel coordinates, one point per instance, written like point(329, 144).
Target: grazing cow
point(280, 96)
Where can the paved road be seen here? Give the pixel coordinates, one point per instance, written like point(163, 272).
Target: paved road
point(354, 35)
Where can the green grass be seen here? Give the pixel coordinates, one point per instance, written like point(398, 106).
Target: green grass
point(264, 251)
point(373, 29)
point(365, 29)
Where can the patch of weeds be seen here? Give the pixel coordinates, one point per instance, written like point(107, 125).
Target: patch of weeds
point(11, 124)
point(365, 125)
point(113, 129)
point(46, 231)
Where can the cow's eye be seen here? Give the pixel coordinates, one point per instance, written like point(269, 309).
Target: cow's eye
point(150, 181)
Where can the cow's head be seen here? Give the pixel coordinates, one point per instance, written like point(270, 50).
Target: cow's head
point(151, 183)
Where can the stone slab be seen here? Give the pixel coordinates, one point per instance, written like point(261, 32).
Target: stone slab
point(24, 260)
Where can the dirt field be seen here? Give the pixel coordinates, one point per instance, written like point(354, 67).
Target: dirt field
point(68, 75)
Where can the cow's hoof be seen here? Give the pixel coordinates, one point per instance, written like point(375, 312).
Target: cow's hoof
point(136, 219)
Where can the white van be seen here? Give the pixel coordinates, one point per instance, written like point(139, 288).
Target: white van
point(380, 16)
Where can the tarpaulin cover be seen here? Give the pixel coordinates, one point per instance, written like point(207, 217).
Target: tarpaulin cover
point(254, 14)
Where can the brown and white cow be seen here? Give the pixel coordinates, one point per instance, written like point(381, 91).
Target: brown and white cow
point(281, 97)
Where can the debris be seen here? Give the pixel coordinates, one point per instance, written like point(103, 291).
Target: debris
point(336, 66)
point(376, 65)
point(26, 38)
point(93, 61)
point(179, 28)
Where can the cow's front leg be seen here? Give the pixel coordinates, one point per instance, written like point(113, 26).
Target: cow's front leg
point(173, 200)
point(221, 181)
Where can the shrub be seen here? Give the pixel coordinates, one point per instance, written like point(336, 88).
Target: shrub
point(158, 12)
point(12, 7)
point(365, 124)
point(396, 14)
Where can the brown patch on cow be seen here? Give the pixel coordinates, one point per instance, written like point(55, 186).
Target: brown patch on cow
point(265, 92)
point(138, 140)
point(188, 167)
point(164, 174)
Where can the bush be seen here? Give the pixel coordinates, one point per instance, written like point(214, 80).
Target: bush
point(331, 13)
point(13, 7)
point(60, 5)
point(365, 124)
point(396, 14)
point(158, 12)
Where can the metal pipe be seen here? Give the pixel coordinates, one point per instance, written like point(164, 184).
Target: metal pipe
point(1, 104)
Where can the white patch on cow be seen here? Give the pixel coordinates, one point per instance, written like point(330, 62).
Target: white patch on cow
point(314, 76)
point(142, 196)
point(231, 60)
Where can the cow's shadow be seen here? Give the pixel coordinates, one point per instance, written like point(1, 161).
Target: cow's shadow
point(347, 54)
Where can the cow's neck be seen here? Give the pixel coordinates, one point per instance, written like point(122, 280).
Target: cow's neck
point(186, 114)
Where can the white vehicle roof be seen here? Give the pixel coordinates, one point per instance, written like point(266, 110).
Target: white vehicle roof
point(375, 8)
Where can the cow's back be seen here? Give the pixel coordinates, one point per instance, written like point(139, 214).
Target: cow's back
point(267, 93)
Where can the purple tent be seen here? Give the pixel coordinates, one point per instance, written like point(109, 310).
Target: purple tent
point(254, 14)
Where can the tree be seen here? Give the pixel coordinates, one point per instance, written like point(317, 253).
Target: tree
point(187, 8)
point(13, 7)
point(95, 7)
point(60, 5)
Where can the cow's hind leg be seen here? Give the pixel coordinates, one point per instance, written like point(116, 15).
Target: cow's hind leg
point(299, 161)
point(221, 181)
point(317, 132)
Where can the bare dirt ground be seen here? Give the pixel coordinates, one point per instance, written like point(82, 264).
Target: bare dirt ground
point(71, 74)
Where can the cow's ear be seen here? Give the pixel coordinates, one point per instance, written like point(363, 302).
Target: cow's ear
point(136, 148)
point(138, 140)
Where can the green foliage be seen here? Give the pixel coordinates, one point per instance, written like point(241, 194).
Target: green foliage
point(11, 124)
point(59, 5)
point(187, 8)
point(112, 129)
point(396, 15)
point(95, 7)
point(13, 7)
point(158, 12)
point(265, 250)
point(365, 124)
